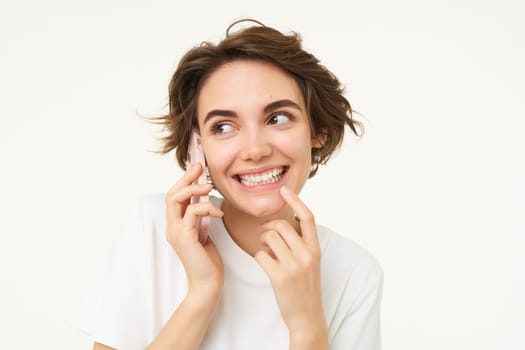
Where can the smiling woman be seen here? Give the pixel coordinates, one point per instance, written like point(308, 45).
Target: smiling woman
point(268, 114)
point(268, 132)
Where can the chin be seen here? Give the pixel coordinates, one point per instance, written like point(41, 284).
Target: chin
point(262, 207)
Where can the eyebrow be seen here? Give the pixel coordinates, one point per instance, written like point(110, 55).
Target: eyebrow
point(268, 108)
point(281, 103)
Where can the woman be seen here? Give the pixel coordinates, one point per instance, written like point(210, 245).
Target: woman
point(268, 115)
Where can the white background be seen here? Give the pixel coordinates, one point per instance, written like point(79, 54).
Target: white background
point(434, 189)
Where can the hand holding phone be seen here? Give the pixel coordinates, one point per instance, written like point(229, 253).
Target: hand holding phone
point(195, 155)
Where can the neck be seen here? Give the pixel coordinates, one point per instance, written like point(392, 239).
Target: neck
point(245, 230)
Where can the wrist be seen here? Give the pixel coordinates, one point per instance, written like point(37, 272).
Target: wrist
point(203, 296)
point(309, 338)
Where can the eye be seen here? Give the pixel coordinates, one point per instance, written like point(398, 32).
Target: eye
point(280, 118)
point(221, 128)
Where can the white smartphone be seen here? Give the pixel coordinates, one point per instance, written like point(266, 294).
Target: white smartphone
point(195, 155)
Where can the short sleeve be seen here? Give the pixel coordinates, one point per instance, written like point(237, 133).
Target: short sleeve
point(115, 310)
point(360, 327)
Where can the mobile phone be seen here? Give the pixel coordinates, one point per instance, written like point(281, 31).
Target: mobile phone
point(195, 155)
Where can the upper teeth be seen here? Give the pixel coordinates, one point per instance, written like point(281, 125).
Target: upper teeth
point(271, 176)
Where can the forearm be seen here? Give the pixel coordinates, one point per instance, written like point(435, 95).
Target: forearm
point(188, 324)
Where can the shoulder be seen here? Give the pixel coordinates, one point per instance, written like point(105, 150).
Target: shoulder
point(352, 282)
point(149, 211)
point(145, 223)
point(152, 204)
point(345, 261)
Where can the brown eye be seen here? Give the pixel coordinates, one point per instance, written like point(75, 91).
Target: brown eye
point(221, 128)
point(280, 118)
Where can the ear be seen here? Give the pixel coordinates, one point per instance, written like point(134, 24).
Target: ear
point(319, 139)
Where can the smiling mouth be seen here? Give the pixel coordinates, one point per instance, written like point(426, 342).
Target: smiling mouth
point(267, 177)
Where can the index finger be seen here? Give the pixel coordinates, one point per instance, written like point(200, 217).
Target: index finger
point(305, 216)
point(192, 173)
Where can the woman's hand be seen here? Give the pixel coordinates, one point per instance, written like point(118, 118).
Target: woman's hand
point(295, 271)
point(203, 264)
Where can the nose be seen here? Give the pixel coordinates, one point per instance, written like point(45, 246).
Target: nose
point(255, 146)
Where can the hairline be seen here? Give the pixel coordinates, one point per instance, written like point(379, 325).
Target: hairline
point(228, 60)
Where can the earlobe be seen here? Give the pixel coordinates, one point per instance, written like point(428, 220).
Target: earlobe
point(319, 140)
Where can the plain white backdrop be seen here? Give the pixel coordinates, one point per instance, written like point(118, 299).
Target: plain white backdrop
point(435, 188)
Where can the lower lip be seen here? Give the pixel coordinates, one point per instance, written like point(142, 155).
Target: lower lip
point(264, 187)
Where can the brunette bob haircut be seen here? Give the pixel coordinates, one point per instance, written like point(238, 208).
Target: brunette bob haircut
point(329, 111)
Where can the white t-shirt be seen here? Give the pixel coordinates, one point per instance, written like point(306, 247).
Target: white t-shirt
point(143, 282)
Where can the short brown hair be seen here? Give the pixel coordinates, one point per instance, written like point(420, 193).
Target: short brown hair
point(329, 111)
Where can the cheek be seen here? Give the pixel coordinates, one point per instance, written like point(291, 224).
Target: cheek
point(211, 160)
point(296, 147)
point(217, 157)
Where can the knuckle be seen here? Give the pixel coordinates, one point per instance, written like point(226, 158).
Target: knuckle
point(309, 217)
point(192, 209)
point(198, 209)
point(310, 261)
point(173, 197)
point(281, 225)
point(267, 236)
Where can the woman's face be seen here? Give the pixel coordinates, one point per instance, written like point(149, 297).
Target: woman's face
point(255, 134)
